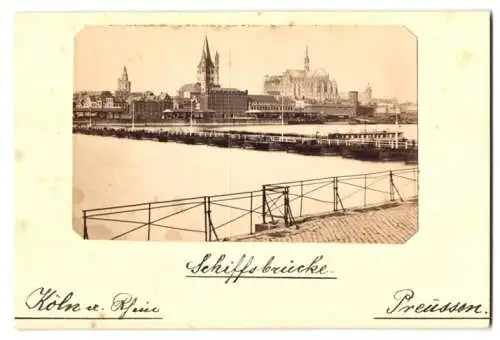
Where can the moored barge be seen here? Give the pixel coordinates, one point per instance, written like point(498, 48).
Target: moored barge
point(367, 145)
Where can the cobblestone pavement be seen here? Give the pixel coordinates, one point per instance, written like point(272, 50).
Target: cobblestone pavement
point(395, 223)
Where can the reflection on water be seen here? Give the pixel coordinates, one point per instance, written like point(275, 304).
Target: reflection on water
point(110, 171)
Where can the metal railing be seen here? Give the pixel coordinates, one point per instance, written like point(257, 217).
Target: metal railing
point(220, 217)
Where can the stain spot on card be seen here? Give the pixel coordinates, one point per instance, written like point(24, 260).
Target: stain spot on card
point(78, 196)
point(41, 180)
point(19, 155)
point(291, 24)
point(93, 324)
point(259, 13)
point(464, 57)
point(23, 225)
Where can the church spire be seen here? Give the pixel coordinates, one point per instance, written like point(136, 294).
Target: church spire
point(206, 49)
point(124, 83)
point(368, 92)
point(203, 57)
point(206, 59)
point(306, 60)
point(207, 71)
point(216, 62)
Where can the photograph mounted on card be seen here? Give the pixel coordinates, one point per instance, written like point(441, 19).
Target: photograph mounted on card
point(244, 118)
point(181, 161)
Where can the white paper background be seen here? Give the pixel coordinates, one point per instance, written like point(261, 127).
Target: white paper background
point(9, 152)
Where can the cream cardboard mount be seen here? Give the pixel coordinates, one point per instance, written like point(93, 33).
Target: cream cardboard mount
point(252, 170)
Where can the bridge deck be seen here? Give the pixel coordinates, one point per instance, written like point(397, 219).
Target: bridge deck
point(392, 223)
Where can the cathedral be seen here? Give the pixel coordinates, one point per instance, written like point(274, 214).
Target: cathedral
point(208, 70)
point(306, 84)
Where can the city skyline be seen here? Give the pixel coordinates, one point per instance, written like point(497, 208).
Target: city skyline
point(162, 58)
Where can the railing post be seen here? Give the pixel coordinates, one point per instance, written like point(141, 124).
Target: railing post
point(391, 186)
point(415, 180)
point(301, 196)
point(335, 193)
point(209, 220)
point(206, 217)
point(149, 221)
point(285, 192)
point(251, 213)
point(263, 204)
point(85, 230)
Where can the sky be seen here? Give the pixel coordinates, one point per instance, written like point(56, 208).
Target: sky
point(163, 58)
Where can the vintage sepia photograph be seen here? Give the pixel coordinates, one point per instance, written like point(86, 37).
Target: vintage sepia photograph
point(246, 133)
point(252, 170)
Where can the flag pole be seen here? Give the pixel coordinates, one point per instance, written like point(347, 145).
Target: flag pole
point(282, 118)
point(191, 118)
point(133, 117)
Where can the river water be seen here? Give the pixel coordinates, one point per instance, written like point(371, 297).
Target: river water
point(110, 171)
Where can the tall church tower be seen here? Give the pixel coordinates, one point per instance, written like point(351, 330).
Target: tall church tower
point(124, 84)
point(368, 93)
point(216, 68)
point(306, 61)
point(206, 68)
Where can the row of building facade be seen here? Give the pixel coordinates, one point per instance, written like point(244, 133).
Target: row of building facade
point(294, 92)
point(224, 104)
